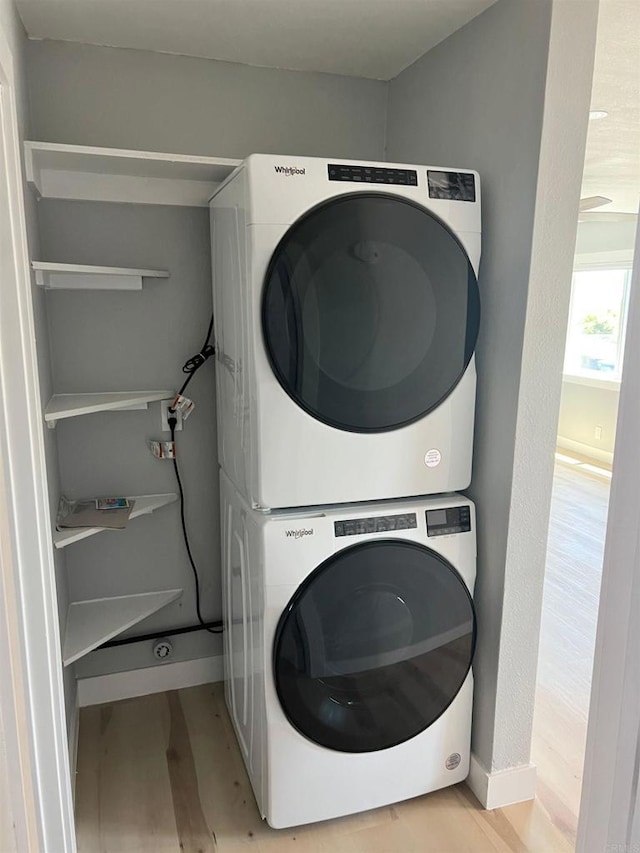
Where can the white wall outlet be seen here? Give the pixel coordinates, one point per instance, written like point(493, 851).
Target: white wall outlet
point(597, 433)
point(164, 411)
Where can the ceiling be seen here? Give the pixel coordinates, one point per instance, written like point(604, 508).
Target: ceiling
point(612, 162)
point(361, 38)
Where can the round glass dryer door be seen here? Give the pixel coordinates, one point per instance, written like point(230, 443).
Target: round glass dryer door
point(374, 646)
point(370, 312)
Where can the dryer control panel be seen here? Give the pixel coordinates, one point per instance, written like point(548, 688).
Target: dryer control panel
point(443, 522)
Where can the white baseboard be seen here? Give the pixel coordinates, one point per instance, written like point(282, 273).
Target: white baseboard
point(585, 450)
point(97, 689)
point(502, 787)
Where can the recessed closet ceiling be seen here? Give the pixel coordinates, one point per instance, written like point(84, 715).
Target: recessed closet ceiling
point(363, 38)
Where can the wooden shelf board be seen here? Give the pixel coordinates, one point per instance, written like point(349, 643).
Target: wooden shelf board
point(62, 406)
point(85, 277)
point(91, 623)
point(58, 170)
point(144, 505)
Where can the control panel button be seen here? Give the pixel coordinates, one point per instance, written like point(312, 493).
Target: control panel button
point(372, 175)
point(375, 524)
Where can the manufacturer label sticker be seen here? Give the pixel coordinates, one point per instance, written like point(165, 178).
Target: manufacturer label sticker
point(453, 761)
point(432, 458)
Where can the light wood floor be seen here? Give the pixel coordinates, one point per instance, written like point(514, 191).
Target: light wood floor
point(567, 638)
point(163, 774)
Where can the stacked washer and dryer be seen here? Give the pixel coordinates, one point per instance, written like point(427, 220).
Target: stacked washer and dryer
point(346, 316)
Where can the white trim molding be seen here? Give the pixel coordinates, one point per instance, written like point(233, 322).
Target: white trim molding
point(610, 803)
point(37, 746)
point(502, 787)
point(97, 689)
point(592, 382)
point(585, 450)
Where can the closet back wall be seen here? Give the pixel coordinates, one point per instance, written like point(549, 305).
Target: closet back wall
point(115, 341)
point(117, 98)
point(88, 95)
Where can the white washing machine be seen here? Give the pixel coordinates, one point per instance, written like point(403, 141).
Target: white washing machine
point(349, 636)
point(346, 316)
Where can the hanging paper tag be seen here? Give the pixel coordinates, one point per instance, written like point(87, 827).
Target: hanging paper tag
point(183, 405)
point(163, 449)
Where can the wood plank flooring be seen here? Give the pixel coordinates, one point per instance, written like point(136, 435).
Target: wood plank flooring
point(163, 774)
point(567, 638)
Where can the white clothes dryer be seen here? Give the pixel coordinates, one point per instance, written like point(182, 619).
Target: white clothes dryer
point(349, 636)
point(346, 316)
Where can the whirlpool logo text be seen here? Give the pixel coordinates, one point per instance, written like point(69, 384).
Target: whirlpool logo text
point(298, 534)
point(289, 170)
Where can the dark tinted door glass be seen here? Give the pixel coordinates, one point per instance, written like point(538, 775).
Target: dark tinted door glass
point(374, 646)
point(370, 312)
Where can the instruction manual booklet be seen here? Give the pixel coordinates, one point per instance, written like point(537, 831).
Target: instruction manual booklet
point(84, 514)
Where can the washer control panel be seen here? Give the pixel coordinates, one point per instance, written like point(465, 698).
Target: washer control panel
point(372, 175)
point(375, 524)
point(443, 522)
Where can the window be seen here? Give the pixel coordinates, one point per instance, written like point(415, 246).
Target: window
point(597, 321)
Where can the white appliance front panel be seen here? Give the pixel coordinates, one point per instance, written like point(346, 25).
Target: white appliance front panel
point(281, 197)
point(305, 461)
point(295, 780)
point(274, 451)
point(298, 543)
point(332, 784)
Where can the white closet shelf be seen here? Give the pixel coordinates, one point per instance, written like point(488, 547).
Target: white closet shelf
point(111, 174)
point(62, 406)
point(91, 623)
point(144, 505)
point(82, 277)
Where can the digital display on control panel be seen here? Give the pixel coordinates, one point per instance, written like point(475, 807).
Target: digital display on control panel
point(376, 524)
point(455, 186)
point(372, 175)
point(442, 522)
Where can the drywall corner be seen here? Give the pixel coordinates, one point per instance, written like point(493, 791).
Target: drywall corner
point(562, 149)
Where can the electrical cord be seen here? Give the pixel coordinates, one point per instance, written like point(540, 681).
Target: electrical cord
point(190, 367)
point(195, 362)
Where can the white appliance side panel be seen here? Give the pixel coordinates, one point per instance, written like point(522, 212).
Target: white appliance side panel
point(231, 327)
point(243, 608)
point(226, 520)
point(278, 195)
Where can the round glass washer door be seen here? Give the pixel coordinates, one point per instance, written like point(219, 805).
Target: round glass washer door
point(370, 312)
point(374, 646)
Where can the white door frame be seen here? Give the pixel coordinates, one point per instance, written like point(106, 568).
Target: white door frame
point(610, 805)
point(31, 689)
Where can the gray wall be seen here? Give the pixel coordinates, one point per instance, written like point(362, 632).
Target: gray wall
point(476, 100)
point(116, 341)
point(156, 102)
point(582, 409)
point(124, 341)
